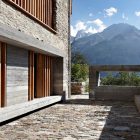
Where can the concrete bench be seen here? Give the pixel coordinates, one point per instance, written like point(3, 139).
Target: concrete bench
point(13, 111)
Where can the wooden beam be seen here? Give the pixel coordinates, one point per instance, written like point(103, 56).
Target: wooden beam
point(51, 76)
point(3, 74)
point(47, 77)
point(31, 76)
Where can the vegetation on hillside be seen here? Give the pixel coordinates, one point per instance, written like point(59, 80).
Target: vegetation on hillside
point(122, 78)
point(79, 68)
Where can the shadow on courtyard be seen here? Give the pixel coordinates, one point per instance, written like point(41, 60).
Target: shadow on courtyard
point(121, 119)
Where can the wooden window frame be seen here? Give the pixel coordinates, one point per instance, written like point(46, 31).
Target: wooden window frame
point(53, 30)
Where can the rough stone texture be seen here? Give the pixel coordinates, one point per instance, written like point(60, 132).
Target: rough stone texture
point(15, 19)
point(137, 102)
point(78, 87)
point(77, 119)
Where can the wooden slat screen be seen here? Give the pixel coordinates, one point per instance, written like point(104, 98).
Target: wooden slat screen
point(44, 76)
point(48, 76)
point(41, 10)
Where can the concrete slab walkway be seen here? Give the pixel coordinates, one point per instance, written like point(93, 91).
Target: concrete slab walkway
point(77, 119)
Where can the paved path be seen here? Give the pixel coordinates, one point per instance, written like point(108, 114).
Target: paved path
point(78, 119)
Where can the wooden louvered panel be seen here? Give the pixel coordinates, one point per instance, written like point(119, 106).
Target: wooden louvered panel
point(41, 10)
point(44, 76)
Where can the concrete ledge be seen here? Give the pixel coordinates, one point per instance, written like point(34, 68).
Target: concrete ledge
point(115, 68)
point(20, 109)
point(116, 93)
point(137, 102)
point(20, 39)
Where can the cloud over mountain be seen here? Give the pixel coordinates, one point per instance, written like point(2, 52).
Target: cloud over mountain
point(93, 27)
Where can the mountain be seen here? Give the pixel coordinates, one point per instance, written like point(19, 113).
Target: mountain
point(72, 39)
point(118, 44)
point(80, 34)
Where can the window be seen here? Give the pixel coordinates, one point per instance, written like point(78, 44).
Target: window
point(41, 10)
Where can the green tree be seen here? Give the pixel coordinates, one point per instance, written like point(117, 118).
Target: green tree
point(78, 58)
point(122, 78)
point(79, 68)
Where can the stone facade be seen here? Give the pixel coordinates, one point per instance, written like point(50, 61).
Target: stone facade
point(16, 19)
point(78, 87)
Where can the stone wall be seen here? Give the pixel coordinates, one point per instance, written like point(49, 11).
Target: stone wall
point(12, 17)
point(78, 87)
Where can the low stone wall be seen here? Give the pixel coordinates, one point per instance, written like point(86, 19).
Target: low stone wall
point(116, 93)
point(78, 87)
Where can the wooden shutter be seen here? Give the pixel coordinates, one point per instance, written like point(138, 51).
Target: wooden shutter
point(40, 10)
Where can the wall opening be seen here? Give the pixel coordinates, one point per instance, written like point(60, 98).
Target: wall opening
point(119, 78)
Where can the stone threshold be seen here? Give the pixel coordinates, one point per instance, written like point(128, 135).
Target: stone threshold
point(13, 111)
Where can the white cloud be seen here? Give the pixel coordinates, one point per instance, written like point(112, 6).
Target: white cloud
point(93, 27)
point(137, 13)
point(110, 11)
point(91, 30)
point(79, 26)
point(99, 23)
point(124, 17)
point(73, 31)
point(90, 15)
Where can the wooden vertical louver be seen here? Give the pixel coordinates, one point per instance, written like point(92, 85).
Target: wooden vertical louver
point(3, 75)
point(44, 76)
point(31, 76)
point(41, 10)
point(48, 76)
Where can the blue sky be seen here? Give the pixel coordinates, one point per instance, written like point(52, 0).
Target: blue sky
point(96, 15)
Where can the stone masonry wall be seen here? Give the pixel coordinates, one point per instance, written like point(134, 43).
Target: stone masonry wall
point(78, 87)
point(12, 17)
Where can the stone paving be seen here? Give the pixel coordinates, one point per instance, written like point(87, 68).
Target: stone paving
point(77, 119)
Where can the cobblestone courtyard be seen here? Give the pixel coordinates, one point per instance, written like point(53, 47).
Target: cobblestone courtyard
point(78, 119)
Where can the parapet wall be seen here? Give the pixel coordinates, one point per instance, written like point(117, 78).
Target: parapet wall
point(116, 93)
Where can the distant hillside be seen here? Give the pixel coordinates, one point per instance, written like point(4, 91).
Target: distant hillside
point(117, 44)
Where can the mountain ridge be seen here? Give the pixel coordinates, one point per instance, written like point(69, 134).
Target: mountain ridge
point(117, 44)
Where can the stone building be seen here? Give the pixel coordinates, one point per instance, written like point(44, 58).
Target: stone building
point(34, 54)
